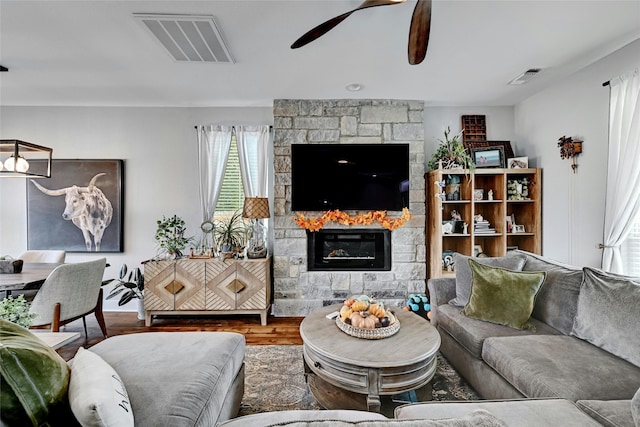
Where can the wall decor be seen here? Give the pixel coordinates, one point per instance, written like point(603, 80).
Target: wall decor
point(79, 209)
point(518, 163)
point(569, 149)
point(488, 157)
point(475, 128)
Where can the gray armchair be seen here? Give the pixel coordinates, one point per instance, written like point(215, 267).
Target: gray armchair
point(71, 291)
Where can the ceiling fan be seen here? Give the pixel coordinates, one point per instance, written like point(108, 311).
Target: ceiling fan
point(418, 31)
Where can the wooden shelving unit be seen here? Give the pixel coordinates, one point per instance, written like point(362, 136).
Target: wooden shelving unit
point(526, 210)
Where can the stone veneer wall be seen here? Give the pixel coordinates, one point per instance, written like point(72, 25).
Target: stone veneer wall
point(298, 291)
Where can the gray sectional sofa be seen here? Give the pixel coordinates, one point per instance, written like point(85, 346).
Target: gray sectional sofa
point(583, 345)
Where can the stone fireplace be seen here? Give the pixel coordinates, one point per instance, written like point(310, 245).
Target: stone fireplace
point(299, 288)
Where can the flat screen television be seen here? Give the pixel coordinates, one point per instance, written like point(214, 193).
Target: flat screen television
point(349, 177)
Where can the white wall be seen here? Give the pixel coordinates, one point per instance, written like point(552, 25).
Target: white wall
point(573, 204)
point(159, 149)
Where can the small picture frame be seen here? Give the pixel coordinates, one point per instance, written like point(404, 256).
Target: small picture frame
point(518, 228)
point(477, 250)
point(488, 157)
point(478, 194)
point(518, 163)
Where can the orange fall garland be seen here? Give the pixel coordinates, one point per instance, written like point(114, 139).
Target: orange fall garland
point(315, 224)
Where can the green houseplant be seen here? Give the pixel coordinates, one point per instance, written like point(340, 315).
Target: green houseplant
point(170, 235)
point(16, 310)
point(231, 232)
point(132, 285)
point(451, 153)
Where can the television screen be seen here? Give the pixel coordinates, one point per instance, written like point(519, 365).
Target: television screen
point(349, 177)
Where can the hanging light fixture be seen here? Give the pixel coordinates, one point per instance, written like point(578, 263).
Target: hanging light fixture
point(24, 159)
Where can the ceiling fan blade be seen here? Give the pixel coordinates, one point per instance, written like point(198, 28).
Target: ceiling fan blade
point(326, 26)
point(419, 31)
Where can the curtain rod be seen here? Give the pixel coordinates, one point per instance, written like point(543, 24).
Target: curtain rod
point(270, 127)
point(606, 83)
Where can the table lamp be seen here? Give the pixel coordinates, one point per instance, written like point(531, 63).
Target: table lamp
point(256, 208)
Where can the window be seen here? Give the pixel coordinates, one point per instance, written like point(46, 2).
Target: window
point(232, 194)
point(631, 250)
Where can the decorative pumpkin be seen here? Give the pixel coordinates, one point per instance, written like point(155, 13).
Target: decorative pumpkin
point(360, 306)
point(349, 301)
point(346, 314)
point(363, 321)
point(377, 310)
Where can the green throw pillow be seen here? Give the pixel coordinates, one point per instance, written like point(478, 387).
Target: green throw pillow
point(34, 378)
point(502, 296)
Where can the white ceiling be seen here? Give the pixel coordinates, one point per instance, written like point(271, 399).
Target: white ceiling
point(95, 53)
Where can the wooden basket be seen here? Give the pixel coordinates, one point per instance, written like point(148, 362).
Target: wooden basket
point(369, 334)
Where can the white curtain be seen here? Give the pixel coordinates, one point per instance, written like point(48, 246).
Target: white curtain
point(623, 173)
point(213, 150)
point(253, 145)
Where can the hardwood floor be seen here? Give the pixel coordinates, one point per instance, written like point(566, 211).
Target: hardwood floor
point(278, 331)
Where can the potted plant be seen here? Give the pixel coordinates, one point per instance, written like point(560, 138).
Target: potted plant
point(16, 310)
point(170, 235)
point(231, 233)
point(131, 288)
point(451, 153)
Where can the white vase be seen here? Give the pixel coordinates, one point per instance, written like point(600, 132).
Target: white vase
point(141, 313)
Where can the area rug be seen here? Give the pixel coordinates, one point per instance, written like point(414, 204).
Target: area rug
point(274, 381)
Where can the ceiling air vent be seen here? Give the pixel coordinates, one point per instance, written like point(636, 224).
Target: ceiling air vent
point(525, 77)
point(188, 38)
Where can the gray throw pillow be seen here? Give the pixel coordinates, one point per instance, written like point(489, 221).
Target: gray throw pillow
point(607, 314)
point(557, 301)
point(464, 276)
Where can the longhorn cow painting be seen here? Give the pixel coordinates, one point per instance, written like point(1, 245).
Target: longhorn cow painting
point(78, 209)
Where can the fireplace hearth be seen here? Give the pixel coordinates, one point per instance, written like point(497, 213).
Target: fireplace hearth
point(338, 249)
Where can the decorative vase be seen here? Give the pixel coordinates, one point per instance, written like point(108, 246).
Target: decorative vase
point(141, 312)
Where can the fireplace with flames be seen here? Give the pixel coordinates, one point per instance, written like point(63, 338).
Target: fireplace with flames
point(337, 249)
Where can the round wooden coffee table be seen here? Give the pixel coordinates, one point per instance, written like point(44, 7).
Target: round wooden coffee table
point(403, 362)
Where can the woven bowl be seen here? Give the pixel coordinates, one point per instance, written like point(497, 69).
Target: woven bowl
point(368, 334)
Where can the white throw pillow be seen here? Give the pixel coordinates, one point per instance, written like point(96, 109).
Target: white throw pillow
point(97, 394)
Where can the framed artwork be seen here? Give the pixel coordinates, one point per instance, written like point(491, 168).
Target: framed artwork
point(488, 157)
point(79, 209)
point(506, 146)
point(518, 163)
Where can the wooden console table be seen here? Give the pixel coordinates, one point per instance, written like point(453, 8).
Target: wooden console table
point(207, 286)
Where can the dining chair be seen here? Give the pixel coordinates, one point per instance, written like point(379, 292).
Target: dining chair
point(70, 292)
point(34, 257)
point(49, 256)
